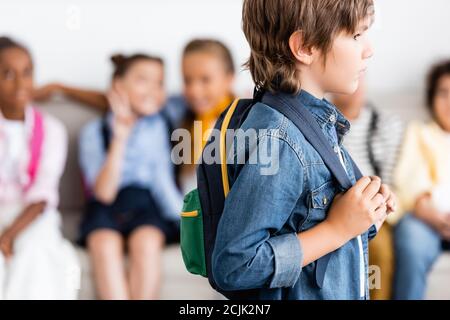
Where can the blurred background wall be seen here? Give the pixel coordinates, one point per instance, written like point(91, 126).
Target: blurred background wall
point(72, 39)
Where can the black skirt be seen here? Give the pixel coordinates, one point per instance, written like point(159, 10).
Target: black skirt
point(134, 207)
point(446, 245)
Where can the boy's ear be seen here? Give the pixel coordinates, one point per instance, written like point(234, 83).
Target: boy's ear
point(302, 54)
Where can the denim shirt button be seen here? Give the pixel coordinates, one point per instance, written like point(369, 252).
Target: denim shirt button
point(333, 119)
point(336, 149)
point(325, 201)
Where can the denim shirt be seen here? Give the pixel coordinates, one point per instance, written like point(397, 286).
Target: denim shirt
point(257, 245)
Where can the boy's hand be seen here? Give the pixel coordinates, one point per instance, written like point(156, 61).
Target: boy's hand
point(390, 197)
point(361, 207)
point(391, 203)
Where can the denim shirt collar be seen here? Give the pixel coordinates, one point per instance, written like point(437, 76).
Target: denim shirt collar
point(325, 113)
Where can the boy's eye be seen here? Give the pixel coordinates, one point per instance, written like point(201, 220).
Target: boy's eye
point(357, 36)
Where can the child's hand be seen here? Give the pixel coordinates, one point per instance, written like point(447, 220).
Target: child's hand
point(427, 212)
point(6, 245)
point(361, 207)
point(44, 93)
point(124, 117)
point(441, 223)
point(391, 203)
point(390, 197)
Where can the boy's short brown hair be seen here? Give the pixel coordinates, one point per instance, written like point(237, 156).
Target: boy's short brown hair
point(269, 24)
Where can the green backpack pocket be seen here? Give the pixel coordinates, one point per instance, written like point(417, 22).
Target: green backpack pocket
point(192, 237)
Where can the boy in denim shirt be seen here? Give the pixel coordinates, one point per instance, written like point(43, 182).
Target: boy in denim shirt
point(275, 227)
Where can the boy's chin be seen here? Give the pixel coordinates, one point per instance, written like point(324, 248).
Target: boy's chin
point(350, 89)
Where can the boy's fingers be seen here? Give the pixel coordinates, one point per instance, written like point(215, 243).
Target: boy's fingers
point(362, 184)
point(377, 202)
point(385, 191)
point(392, 202)
point(372, 189)
point(381, 213)
point(391, 206)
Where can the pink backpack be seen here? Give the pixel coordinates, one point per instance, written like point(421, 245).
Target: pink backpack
point(35, 147)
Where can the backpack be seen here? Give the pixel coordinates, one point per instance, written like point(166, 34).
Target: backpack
point(203, 207)
point(35, 146)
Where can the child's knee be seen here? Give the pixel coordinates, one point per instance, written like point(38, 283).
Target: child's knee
point(146, 240)
point(105, 242)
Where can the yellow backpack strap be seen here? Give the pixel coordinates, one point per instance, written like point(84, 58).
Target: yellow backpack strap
point(223, 147)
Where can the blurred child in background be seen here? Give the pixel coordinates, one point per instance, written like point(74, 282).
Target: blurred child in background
point(208, 74)
point(35, 261)
point(422, 180)
point(134, 202)
point(374, 143)
point(125, 159)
